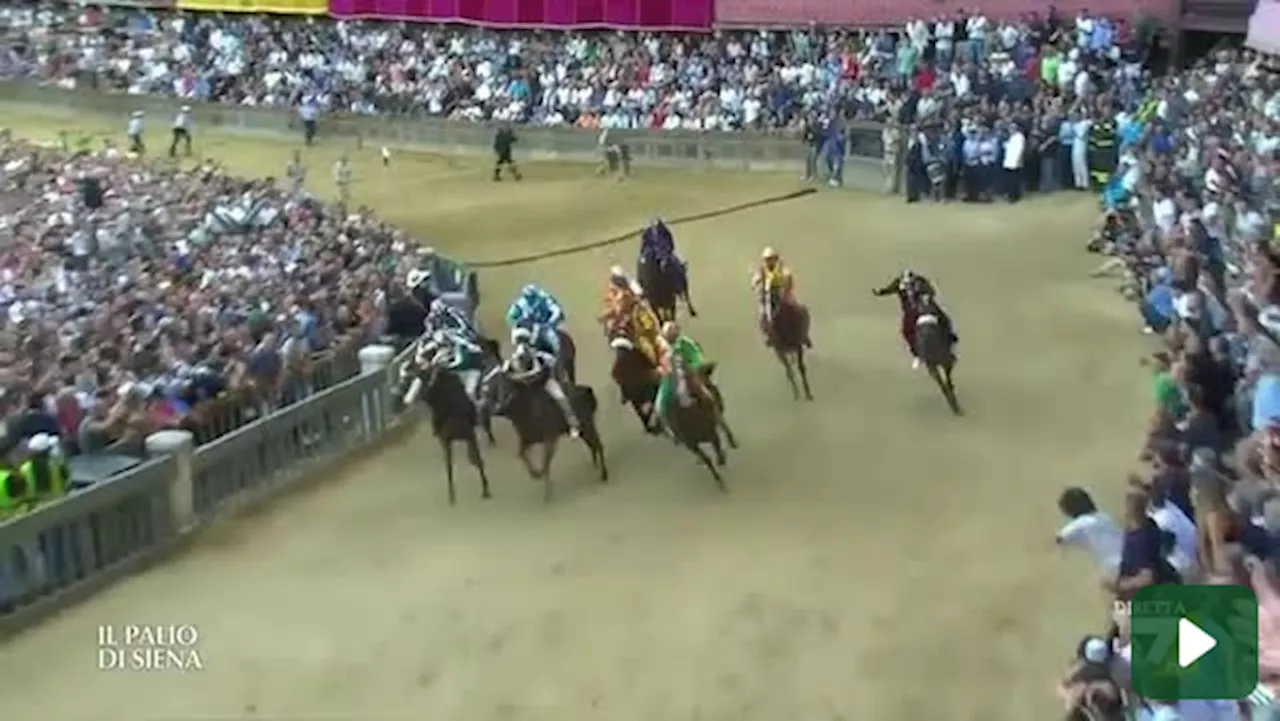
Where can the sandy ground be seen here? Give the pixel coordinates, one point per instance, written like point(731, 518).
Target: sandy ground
point(876, 558)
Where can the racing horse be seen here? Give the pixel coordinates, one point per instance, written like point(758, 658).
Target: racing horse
point(636, 377)
point(785, 323)
point(454, 416)
point(933, 347)
point(664, 283)
point(697, 419)
point(538, 420)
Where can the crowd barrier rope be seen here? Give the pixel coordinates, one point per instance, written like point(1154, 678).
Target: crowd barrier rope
point(239, 454)
point(866, 166)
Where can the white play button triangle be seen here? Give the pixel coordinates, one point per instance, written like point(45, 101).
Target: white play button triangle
point(1193, 643)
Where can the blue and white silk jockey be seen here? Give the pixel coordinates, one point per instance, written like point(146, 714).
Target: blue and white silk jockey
point(443, 316)
point(538, 311)
point(657, 244)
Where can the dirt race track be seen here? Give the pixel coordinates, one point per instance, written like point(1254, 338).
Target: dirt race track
point(876, 559)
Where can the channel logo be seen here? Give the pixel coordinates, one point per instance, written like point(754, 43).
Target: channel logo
point(1194, 642)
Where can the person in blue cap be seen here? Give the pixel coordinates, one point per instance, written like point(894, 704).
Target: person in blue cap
point(538, 310)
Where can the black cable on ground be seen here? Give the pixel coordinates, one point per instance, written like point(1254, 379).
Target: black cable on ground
point(570, 250)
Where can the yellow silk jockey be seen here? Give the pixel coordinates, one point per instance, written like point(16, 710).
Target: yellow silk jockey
point(626, 311)
point(769, 276)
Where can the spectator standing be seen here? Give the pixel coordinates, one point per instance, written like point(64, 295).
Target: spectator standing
point(181, 132)
point(134, 131)
point(342, 178)
point(1015, 149)
point(504, 141)
point(308, 114)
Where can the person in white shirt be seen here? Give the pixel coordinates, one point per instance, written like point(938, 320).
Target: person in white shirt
point(1014, 151)
point(1090, 529)
point(181, 132)
point(134, 131)
point(1171, 519)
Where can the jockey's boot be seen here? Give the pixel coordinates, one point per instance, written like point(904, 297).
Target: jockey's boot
point(557, 392)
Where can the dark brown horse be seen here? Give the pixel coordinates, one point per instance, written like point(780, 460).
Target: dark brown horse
point(454, 416)
point(787, 326)
point(697, 416)
point(538, 420)
point(933, 348)
point(664, 283)
point(637, 378)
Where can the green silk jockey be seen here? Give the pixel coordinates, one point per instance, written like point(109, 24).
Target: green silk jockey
point(676, 345)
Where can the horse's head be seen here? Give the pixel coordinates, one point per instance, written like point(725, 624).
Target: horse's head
point(417, 375)
point(627, 358)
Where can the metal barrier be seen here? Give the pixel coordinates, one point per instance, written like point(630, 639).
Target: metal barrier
point(747, 151)
point(68, 548)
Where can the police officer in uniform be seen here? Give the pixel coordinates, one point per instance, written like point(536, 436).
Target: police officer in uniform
point(1102, 150)
point(181, 132)
point(503, 142)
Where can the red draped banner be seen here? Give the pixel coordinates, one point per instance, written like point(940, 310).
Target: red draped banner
point(634, 14)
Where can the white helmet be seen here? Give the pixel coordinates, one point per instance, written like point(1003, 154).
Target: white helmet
point(769, 254)
point(439, 305)
point(617, 273)
point(521, 335)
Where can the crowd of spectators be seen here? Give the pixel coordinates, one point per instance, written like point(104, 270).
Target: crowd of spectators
point(116, 321)
point(138, 296)
point(1188, 235)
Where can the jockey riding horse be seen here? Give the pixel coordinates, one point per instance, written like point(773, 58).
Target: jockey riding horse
point(911, 288)
point(662, 273)
point(537, 313)
point(699, 416)
point(774, 282)
point(627, 314)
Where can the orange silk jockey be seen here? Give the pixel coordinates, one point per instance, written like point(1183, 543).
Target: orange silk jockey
point(628, 313)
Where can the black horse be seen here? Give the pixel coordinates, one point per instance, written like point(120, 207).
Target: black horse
point(454, 417)
point(637, 378)
point(696, 416)
point(664, 283)
point(788, 333)
point(538, 420)
point(934, 348)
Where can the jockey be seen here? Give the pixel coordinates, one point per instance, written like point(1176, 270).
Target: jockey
point(456, 352)
point(625, 307)
point(527, 363)
point(769, 276)
point(657, 243)
point(675, 345)
point(538, 310)
point(928, 305)
point(443, 316)
point(909, 286)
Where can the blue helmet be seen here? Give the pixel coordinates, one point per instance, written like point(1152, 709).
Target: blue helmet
point(530, 291)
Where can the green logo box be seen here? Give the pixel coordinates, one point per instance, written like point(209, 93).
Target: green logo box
point(1226, 614)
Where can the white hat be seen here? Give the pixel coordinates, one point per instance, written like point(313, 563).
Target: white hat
point(769, 253)
point(617, 272)
point(41, 442)
point(416, 277)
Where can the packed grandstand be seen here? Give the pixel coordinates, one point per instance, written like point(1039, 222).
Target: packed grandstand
point(129, 312)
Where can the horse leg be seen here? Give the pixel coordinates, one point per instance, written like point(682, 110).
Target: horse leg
point(804, 373)
point(688, 300)
point(646, 419)
point(705, 460)
point(548, 452)
point(591, 437)
point(473, 455)
point(952, 399)
point(447, 447)
point(486, 424)
point(937, 375)
point(723, 425)
point(791, 376)
point(718, 447)
point(524, 456)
